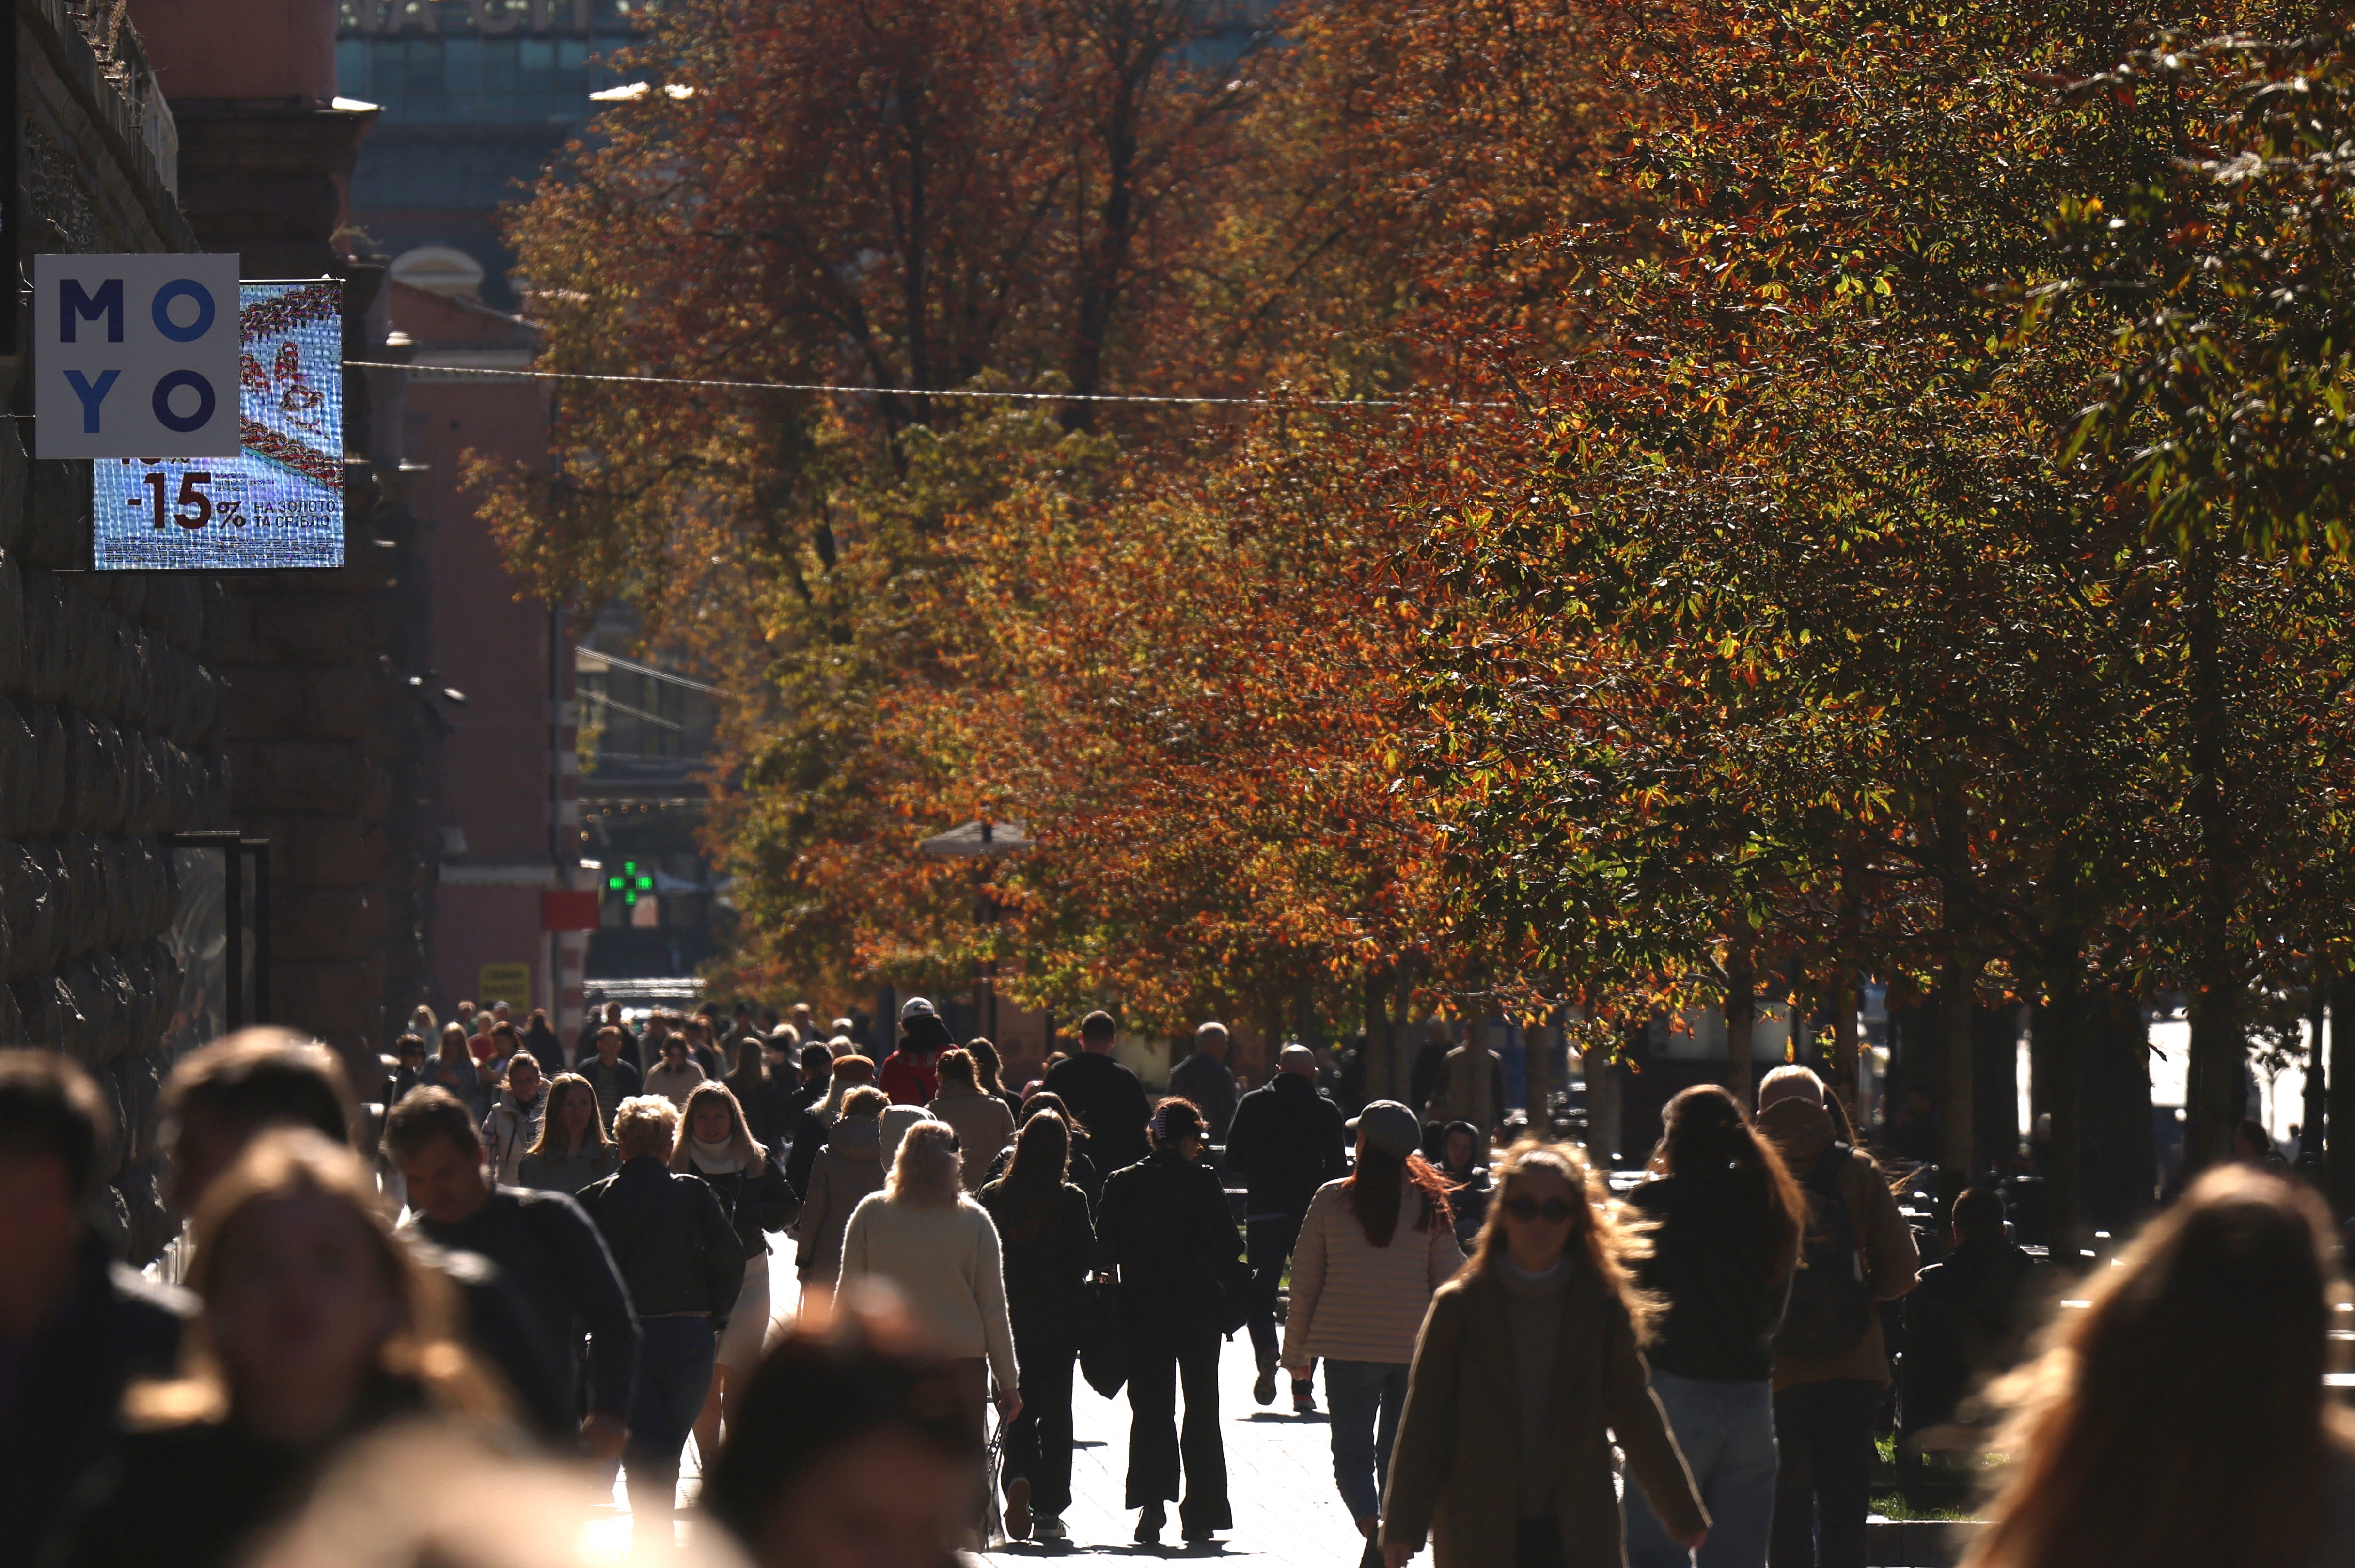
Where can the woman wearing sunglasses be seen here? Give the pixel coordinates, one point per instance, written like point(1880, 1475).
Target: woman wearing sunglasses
point(1526, 1371)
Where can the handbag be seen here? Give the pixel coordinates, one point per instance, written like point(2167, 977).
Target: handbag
point(1103, 1349)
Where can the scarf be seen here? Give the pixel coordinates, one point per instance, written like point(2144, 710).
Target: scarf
point(714, 1159)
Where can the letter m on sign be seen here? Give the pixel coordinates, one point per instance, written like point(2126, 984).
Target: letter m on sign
point(72, 302)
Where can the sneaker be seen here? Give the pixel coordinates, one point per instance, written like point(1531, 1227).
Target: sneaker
point(1017, 1508)
point(1047, 1526)
point(1150, 1520)
point(1263, 1390)
point(1303, 1399)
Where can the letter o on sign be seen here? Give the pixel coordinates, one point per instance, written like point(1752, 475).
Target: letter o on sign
point(172, 383)
point(184, 288)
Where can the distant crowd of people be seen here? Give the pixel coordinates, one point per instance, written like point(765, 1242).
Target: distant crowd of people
point(529, 1249)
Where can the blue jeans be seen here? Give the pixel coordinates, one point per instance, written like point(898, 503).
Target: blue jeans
point(675, 1361)
point(1727, 1434)
point(1365, 1397)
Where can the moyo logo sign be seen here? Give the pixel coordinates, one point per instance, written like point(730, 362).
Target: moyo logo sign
point(134, 354)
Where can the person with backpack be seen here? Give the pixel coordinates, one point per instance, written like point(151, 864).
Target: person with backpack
point(1286, 1142)
point(1726, 1222)
point(1831, 1365)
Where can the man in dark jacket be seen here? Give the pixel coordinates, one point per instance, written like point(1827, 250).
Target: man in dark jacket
point(1964, 1322)
point(684, 1264)
point(74, 1328)
point(1286, 1142)
point(1167, 1228)
point(1107, 1098)
point(541, 1242)
point(1205, 1078)
point(612, 1075)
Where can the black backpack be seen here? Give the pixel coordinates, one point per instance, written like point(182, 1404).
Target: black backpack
point(1830, 1306)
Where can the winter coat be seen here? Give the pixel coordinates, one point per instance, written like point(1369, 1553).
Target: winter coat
point(611, 1084)
point(1353, 1301)
point(674, 1084)
point(845, 1172)
point(1166, 1226)
point(1800, 1132)
point(670, 1239)
point(1470, 1088)
point(1047, 1271)
point(510, 1130)
point(910, 1077)
point(944, 1262)
point(568, 1173)
point(1286, 1142)
point(983, 1125)
point(1711, 1263)
point(756, 1201)
point(1210, 1084)
point(1111, 1104)
point(1455, 1465)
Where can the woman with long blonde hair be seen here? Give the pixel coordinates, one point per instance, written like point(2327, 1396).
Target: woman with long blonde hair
point(2180, 1420)
point(317, 1327)
point(1526, 1371)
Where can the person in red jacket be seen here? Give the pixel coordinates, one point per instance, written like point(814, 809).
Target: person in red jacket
point(910, 1075)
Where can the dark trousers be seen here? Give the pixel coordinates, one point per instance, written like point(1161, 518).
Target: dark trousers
point(1039, 1441)
point(1824, 1489)
point(1157, 1364)
point(1537, 1543)
point(1267, 1247)
point(675, 1360)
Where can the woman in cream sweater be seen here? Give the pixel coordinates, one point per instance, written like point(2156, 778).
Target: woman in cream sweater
point(1374, 1246)
point(938, 1250)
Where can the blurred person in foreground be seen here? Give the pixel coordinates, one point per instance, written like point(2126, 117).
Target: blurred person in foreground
point(74, 1327)
point(854, 1448)
point(2180, 1420)
point(317, 1326)
point(220, 1098)
point(1527, 1373)
point(541, 1242)
point(683, 1266)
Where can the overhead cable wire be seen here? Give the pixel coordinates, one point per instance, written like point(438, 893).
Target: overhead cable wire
point(969, 392)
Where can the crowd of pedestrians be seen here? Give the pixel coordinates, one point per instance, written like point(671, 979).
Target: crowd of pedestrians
point(1517, 1369)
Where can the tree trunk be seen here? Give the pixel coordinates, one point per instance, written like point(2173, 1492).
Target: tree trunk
point(1740, 1025)
point(2218, 1048)
point(1844, 1000)
point(1537, 1064)
point(1958, 992)
point(2316, 1113)
point(2059, 1050)
point(2341, 1130)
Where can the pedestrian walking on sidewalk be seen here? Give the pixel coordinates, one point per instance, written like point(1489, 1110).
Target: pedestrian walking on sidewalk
point(842, 1173)
point(1464, 1161)
point(910, 1075)
point(1286, 1142)
point(716, 1143)
point(984, 1126)
point(544, 1245)
point(1108, 1099)
point(516, 1114)
point(685, 1267)
point(1831, 1367)
point(572, 1149)
point(454, 1069)
point(1205, 1078)
point(319, 1327)
point(2181, 1420)
point(1727, 1221)
point(1526, 1374)
point(1049, 1237)
point(939, 1251)
point(677, 1074)
point(1373, 1248)
point(1167, 1232)
point(613, 1076)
